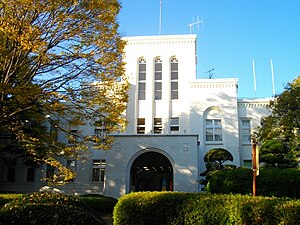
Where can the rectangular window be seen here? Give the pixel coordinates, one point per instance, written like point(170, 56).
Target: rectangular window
point(142, 79)
point(174, 90)
point(98, 171)
point(158, 79)
point(158, 90)
point(246, 131)
point(100, 131)
point(174, 78)
point(174, 124)
point(141, 125)
point(30, 174)
point(142, 91)
point(157, 126)
point(11, 172)
point(213, 130)
point(248, 163)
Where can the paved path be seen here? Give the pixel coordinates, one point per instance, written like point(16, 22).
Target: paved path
point(108, 219)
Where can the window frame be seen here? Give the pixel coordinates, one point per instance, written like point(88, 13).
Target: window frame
point(246, 131)
point(142, 80)
point(157, 125)
point(98, 170)
point(174, 127)
point(141, 125)
point(158, 77)
point(174, 92)
point(216, 124)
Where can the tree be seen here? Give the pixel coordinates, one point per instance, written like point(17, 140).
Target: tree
point(284, 122)
point(274, 153)
point(216, 157)
point(214, 160)
point(60, 65)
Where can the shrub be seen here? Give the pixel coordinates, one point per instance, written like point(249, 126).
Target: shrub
point(5, 198)
point(270, 182)
point(237, 180)
point(48, 215)
point(48, 208)
point(166, 208)
point(149, 208)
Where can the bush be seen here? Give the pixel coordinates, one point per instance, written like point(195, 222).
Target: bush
point(270, 182)
point(5, 198)
point(149, 208)
point(164, 208)
point(49, 208)
point(237, 181)
point(48, 215)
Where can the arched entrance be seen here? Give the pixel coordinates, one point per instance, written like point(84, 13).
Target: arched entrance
point(151, 171)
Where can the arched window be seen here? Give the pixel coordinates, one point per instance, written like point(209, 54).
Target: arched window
point(213, 125)
point(142, 79)
point(174, 78)
point(157, 79)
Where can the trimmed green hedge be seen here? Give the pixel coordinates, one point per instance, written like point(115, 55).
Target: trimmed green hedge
point(173, 208)
point(47, 208)
point(270, 182)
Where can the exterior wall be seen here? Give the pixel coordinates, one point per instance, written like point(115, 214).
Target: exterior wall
point(199, 100)
point(254, 110)
point(183, 47)
point(182, 152)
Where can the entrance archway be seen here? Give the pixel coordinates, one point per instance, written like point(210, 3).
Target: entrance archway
point(151, 171)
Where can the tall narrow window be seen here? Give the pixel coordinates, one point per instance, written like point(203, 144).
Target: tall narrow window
point(174, 78)
point(246, 131)
point(11, 172)
point(174, 124)
point(100, 131)
point(158, 79)
point(98, 172)
point(140, 125)
point(213, 130)
point(157, 126)
point(142, 80)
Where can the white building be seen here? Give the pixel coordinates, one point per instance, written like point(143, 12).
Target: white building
point(174, 120)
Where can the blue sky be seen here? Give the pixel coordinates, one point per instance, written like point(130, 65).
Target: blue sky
point(235, 32)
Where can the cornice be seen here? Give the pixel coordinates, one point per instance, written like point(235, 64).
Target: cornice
point(214, 83)
point(160, 40)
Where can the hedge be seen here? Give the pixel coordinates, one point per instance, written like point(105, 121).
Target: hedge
point(49, 208)
point(270, 182)
point(173, 208)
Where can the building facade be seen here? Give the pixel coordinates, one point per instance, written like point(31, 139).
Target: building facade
point(174, 120)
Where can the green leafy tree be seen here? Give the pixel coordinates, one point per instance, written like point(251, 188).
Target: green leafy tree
point(214, 160)
point(274, 153)
point(216, 157)
point(284, 122)
point(60, 65)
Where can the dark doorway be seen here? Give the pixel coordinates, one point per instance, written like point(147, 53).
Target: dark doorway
point(151, 171)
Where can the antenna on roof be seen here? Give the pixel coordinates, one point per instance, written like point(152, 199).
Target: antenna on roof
point(254, 76)
point(191, 25)
point(273, 81)
point(160, 17)
point(210, 73)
